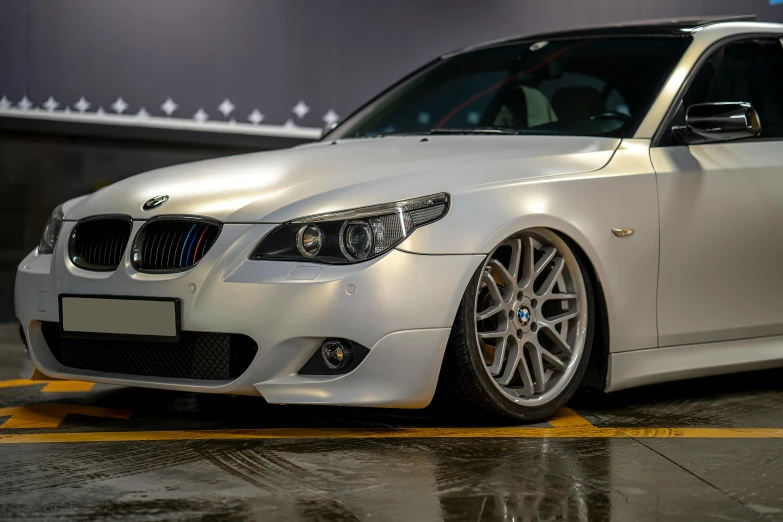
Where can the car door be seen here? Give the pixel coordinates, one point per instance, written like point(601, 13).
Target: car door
point(721, 207)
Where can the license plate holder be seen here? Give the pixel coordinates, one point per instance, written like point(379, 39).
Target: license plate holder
point(120, 317)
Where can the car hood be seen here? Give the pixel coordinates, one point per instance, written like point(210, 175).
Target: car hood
point(277, 186)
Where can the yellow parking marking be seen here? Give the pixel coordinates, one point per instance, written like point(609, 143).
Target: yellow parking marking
point(307, 433)
point(51, 386)
point(17, 382)
point(67, 386)
point(50, 415)
point(565, 424)
point(398, 433)
point(704, 433)
point(568, 418)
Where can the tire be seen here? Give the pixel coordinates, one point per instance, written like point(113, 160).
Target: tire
point(480, 373)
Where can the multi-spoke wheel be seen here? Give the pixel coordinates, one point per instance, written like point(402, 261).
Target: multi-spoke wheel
point(522, 338)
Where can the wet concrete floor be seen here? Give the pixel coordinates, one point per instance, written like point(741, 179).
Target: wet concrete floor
point(240, 459)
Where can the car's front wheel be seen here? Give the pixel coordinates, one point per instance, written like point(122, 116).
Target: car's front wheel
point(523, 333)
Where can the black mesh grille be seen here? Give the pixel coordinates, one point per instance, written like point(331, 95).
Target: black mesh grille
point(99, 244)
point(173, 244)
point(197, 355)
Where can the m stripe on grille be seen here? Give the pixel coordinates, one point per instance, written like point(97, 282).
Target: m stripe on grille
point(173, 244)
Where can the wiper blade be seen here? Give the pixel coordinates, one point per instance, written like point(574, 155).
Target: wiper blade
point(468, 130)
point(401, 133)
point(477, 130)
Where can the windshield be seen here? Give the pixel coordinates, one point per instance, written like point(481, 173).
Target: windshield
point(600, 86)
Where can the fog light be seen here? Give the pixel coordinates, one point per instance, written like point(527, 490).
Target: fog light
point(335, 354)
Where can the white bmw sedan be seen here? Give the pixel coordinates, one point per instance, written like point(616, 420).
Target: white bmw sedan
point(510, 222)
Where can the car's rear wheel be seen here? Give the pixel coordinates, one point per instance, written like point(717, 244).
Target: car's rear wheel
point(521, 340)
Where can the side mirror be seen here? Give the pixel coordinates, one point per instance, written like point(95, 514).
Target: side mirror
point(724, 121)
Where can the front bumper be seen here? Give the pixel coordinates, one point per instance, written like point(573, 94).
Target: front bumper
point(400, 305)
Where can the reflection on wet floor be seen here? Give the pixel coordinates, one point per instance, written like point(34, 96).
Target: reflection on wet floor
point(489, 479)
point(585, 479)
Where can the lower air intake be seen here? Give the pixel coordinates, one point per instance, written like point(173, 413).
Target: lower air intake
point(173, 244)
point(197, 355)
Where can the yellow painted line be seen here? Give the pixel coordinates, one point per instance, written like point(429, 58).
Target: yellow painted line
point(565, 424)
point(50, 415)
point(67, 386)
point(14, 383)
point(568, 418)
point(50, 386)
point(704, 433)
point(309, 433)
point(398, 433)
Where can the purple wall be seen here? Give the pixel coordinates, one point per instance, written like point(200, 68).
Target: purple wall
point(269, 55)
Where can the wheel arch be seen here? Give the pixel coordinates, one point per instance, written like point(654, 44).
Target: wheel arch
point(574, 233)
point(579, 238)
point(598, 366)
point(596, 372)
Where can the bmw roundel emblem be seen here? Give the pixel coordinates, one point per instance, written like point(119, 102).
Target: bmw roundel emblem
point(155, 202)
point(523, 315)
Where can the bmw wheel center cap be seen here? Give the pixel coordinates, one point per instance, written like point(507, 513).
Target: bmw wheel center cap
point(523, 315)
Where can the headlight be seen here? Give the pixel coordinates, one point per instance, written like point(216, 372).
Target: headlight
point(52, 230)
point(353, 235)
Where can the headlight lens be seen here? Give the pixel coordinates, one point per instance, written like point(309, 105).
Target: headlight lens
point(356, 239)
point(353, 235)
point(309, 240)
point(52, 231)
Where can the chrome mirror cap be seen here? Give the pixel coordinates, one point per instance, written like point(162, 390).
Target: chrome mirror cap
point(723, 121)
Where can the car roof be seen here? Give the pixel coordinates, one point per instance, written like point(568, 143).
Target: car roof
point(660, 27)
point(648, 27)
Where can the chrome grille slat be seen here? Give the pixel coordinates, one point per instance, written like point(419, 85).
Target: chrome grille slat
point(113, 245)
point(99, 240)
point(91, 248)
point(164, 238)
point(146, 249)
point(105, 247)
point(173, 244)
point(96, 248)
point(178, 247)
point(99, 243)
point(155, 248)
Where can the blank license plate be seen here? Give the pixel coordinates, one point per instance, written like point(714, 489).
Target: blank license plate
point(124, 317)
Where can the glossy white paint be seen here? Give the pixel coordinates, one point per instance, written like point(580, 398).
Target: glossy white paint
point(277, 186)
point(721, 224)
point(715, 211)
point(584, 207)
point(672, 363)
point(372, 384)
point(287, 318)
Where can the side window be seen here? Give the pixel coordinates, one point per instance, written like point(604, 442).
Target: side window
point(745, 71)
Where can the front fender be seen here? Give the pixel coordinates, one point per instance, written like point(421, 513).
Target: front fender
point(585, 207)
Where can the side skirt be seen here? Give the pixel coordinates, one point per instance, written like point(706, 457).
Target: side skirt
point(672, 363)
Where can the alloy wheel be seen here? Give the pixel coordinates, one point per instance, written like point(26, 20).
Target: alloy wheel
point(531, 316)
